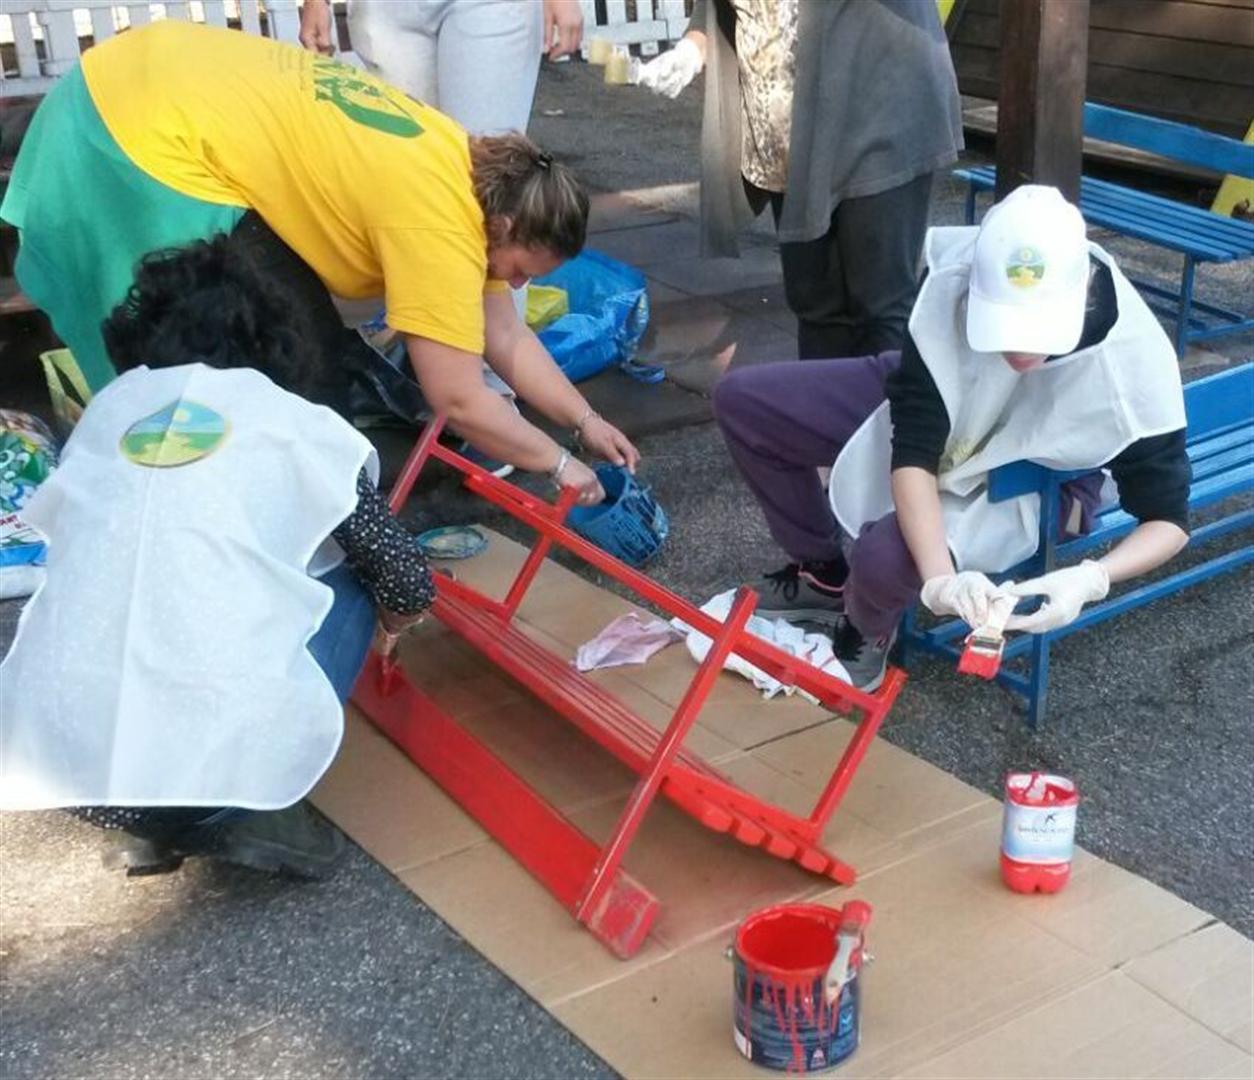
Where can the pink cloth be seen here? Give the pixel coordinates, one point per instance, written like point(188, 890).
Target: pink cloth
point(627, 640)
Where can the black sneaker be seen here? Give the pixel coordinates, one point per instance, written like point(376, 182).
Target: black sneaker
point(295, 840)
point(803, 592)
point(865, 661)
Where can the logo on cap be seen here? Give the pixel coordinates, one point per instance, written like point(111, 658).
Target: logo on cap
point(1025, 268)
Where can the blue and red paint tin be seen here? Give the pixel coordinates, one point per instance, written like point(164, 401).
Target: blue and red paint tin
point(797, 998)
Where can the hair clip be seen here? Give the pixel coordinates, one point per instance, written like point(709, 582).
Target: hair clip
point(543, 160)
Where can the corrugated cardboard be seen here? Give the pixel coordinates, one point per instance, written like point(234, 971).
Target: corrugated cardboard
point(1112, 977)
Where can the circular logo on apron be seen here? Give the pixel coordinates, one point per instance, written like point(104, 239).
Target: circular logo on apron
point(180, 433)
point(1025, 267)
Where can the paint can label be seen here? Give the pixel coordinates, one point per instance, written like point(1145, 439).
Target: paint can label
point(742, 1044)
point(1038, 834)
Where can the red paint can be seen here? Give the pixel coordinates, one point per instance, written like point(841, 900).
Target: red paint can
point(1038, 832)
point(796, 999)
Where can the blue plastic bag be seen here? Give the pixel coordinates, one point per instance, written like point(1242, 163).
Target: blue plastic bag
point(609, 312)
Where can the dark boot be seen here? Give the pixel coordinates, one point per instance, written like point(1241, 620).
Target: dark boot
point(139, 856)
point(296, 840)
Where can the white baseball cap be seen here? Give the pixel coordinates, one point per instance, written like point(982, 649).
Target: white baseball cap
point(1029, 275)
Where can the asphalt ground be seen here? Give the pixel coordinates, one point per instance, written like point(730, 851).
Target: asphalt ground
point(215, 972)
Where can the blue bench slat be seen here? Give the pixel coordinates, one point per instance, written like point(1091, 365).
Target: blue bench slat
point(1188, 226)
point(1106, 192)
point(1207, 456)
point(1190, 229)
point(1220, 400)
point(1146, 221)
point(1114, 523)
point(1229, 461)
point(1100, 197)
point(1139, 227)
point(1169, 139)
point(1205, 450)
point(1135, 224)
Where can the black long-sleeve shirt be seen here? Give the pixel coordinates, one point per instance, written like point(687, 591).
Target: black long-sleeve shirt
point(1152, 475)
point(387, 559)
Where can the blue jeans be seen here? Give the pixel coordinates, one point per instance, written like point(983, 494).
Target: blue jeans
point(341, 642)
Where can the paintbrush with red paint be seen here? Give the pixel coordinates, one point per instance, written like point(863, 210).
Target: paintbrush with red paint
point(850, 934)
point(983, 648)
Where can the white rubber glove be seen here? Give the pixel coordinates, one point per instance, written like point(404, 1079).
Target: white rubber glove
point(669, 73)
point(1066, 591)
point(966, 595)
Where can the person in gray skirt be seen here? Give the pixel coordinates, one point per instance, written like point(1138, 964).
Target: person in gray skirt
point(836, 114)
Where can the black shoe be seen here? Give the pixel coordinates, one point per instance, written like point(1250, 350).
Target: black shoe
point(865, 661)
point(803, 592)
point(139, 856)
point(295, 840)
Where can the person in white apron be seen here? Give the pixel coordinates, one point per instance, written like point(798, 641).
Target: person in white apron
point(216, 553)
point(1026, 342)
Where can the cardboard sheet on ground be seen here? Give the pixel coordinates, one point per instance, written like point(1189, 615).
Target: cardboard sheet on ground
point(1112, 977)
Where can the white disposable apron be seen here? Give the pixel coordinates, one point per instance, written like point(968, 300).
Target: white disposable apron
point(1076, 412)
point(164, 660)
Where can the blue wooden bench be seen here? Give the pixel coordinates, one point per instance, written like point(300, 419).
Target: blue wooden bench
point(1220, 412)
point(1200, 235)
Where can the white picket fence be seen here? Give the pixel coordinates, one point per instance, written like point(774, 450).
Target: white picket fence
point(45, 34)
point(655, 21)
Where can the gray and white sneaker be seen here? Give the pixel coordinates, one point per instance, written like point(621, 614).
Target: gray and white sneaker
point(865, 661)
point(802, 592)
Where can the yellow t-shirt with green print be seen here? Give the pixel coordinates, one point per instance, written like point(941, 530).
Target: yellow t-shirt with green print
point(371, 188)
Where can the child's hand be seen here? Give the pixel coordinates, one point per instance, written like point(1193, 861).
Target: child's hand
point(967, 595)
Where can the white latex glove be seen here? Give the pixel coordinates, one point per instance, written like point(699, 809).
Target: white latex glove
point(1066, 591)
point(669, 73)
point(966, 595)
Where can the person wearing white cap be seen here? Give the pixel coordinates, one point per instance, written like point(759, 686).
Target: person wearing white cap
point(1026, 343)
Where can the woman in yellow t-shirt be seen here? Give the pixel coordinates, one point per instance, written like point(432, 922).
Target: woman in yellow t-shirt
point(339, 184)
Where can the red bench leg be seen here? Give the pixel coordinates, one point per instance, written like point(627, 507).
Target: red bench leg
point(602, 878)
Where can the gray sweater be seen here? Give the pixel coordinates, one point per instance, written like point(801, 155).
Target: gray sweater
point(875, 104)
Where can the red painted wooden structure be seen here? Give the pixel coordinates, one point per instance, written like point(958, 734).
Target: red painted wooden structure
point(588, 878)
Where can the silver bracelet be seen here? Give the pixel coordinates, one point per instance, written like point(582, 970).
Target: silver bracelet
point(588, 415)
point(555, 473)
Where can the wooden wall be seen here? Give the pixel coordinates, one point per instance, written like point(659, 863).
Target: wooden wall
point(1188, 60)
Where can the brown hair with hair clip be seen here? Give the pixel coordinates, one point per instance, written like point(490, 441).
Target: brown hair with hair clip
point(544, 201)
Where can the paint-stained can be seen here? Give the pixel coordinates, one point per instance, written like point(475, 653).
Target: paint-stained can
point(787, 1012)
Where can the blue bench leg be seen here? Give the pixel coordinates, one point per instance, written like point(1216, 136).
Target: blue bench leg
point(904, 635)
point(1038, 687)
point(1186, 306)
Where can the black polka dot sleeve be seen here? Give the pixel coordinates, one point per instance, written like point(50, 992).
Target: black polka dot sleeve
point(384, 555)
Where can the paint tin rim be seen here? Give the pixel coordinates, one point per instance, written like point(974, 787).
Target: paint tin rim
point(828, 915)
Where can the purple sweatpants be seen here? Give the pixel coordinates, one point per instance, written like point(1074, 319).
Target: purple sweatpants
point(783, 421)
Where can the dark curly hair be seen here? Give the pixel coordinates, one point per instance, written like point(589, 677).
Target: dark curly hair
point(208, 303)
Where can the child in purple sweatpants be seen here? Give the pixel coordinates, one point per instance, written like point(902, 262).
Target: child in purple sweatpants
point(1059, 361)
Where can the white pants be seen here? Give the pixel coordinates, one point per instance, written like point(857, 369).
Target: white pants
point(474, 60)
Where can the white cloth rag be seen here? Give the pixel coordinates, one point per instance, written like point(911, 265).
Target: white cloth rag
point(627, 640)
point(814, 648)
